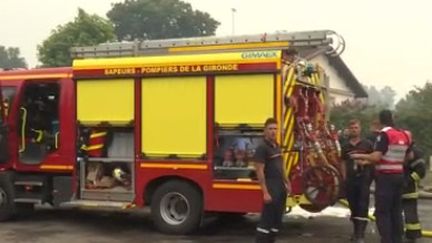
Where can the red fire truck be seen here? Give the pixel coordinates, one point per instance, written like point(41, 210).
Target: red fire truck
point(169, 124)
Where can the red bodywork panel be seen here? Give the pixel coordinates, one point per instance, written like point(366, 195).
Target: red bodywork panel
point(219, 195)
point(63, 159)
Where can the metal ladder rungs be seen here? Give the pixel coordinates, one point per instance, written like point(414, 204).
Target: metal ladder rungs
point(162, 47)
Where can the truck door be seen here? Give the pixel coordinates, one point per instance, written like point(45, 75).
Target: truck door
point(4, 153)
point(7, 96)
point(38, 123)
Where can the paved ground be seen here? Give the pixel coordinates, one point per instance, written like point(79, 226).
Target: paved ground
point(64, 226)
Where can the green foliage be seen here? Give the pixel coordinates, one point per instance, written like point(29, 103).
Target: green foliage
point(10, 58)
point(412, 113)
point(341, 114)
point(159, 19)
point(85, 30)
point(415, 114)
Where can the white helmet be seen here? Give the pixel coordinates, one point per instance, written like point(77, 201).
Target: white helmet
point(118, 174)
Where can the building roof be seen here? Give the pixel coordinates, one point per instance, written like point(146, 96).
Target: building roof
point(343, 70)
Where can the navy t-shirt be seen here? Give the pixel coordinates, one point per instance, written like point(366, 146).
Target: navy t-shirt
point(270, 155)
point(364, 146)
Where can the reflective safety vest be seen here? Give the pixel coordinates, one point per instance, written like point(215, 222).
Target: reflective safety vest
point(95, 143)
point(398, 143)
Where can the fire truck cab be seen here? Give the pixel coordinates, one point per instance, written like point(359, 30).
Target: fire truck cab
point(169, 124)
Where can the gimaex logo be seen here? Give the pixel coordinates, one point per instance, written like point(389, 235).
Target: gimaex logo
point(259, 55)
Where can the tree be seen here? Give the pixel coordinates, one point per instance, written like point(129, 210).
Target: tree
point(83, 31)
point(159, 19)
point(341, 114)
point(10, 58)
point(414, 113)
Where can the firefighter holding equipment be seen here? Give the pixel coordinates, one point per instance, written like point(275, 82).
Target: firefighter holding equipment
point(415, 169)
point(391, 150)
point(358, 180)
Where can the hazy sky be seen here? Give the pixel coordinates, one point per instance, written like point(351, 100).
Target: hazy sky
point(389, 42)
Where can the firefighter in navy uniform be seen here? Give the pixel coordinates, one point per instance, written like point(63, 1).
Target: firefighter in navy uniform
point(358, 180)
point(391, 150)
point(275, 186)
point(415, 170)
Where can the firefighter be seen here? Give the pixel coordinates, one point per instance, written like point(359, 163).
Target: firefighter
point(392, 148)
point(274, 185)
point(358, 180)
point(415, 170)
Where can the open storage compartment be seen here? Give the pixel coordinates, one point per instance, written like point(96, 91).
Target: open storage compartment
point(107, 171)
point(234, 151)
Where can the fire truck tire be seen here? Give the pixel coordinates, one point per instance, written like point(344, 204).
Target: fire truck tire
point(7, 205)
point(177, 208)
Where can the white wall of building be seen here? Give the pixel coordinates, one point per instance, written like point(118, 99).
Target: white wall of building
point(339, 91)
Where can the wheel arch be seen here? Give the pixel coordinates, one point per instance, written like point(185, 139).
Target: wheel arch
point(151, 187)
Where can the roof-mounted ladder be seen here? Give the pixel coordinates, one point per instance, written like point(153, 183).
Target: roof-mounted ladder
point(281, 40)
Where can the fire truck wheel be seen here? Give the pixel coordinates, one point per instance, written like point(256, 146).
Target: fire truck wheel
point(177, 208)
point(7, 206)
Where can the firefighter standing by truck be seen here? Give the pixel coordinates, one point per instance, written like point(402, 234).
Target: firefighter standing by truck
point(270, 173)
point(392, 148)
point(358, 179)
point(415, 170)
